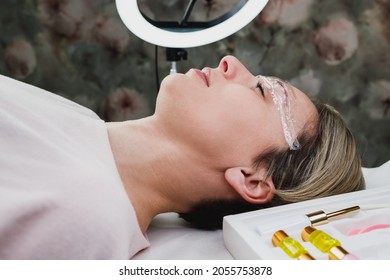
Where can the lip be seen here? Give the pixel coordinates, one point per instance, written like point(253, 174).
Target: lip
point(203, 75)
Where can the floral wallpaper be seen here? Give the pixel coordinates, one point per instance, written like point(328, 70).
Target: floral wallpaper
point(336, 51)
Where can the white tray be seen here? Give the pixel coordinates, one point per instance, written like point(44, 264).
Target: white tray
point(243, 239)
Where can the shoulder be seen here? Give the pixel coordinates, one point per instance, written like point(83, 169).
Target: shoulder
point(45, 224)
point(16, 94)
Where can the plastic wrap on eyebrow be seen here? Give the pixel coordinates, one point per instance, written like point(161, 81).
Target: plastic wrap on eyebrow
point(283, 104)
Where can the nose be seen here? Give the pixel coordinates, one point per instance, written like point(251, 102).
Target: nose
point(233, 69)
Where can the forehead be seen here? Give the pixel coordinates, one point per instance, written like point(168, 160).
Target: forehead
point(304, 112)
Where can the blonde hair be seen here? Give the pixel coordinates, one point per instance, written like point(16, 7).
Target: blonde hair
point(327, 164)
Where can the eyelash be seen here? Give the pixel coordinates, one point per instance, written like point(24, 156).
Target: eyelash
point(259, 86)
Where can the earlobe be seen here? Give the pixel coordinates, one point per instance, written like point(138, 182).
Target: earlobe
point(250, 184)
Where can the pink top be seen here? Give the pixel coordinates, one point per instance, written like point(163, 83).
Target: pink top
point(61, 196)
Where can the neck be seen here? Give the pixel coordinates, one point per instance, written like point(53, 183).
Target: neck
point(160, 174)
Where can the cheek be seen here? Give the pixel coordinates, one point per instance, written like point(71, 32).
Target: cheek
point(238, 129)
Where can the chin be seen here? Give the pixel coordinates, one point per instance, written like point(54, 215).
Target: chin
point(172, 82)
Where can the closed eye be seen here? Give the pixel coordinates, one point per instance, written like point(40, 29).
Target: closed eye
point(260, 87)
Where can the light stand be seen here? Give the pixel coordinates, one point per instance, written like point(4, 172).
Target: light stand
point(173, 55)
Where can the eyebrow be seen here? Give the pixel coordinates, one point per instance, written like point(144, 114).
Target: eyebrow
point(291, 88)
point(286, 117)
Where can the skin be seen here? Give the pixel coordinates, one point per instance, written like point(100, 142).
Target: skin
point(201, 141)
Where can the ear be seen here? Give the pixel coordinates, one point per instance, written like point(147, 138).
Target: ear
point(252, 184)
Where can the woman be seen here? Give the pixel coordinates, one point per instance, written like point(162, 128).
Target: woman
point(82, 188)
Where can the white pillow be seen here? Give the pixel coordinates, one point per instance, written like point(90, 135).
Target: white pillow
point(378, 176)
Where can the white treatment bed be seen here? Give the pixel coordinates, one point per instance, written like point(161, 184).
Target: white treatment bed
point(172, 239)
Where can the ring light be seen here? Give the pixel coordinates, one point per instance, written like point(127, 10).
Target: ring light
point(173, 35)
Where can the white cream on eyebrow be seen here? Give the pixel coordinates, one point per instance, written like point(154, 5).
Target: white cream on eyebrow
point(282, 99)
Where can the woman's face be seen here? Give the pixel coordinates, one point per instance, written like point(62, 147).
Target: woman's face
point(223, 113)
